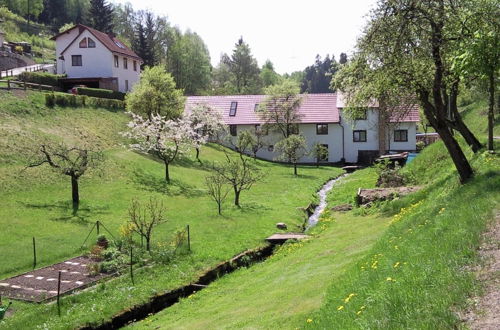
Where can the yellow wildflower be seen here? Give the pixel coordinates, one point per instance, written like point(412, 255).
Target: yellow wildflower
point(309, 320)
point(358, 312)
point(396, 264)
point(340, 308)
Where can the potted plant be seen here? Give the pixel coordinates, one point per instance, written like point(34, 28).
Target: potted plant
point(102, 241)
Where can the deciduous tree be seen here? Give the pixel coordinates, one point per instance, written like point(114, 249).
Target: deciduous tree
point(156, 94)
point(279, 111)
point(291, 150)
point(411, 65)
point(164, 138)
point(70, 161)
point(217, 188)
point(143, 218)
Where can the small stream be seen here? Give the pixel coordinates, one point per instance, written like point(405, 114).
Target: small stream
point(322, 193)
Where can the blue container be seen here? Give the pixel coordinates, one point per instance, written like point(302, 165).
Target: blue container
point(411, 156)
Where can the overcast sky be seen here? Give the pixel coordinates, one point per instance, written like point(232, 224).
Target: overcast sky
point(289, 33)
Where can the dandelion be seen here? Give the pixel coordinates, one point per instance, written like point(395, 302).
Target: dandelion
point(396, 247)
point(358, 312)
point(396, 265)
point(346, 300)
point(362, 307)
point(442, 210)
point(340, 308)
point(309, 320)
point(390, 279)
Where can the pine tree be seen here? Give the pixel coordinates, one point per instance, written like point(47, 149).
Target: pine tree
point(100, 16)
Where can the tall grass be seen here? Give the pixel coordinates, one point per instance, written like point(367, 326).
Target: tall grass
point(417, 274)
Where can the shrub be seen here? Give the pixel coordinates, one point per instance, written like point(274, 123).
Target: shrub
point(69, 100)
point(50, 100)
point(41, 78)
point(101, 93)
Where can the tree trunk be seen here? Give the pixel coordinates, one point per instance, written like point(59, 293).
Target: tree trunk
point(220, 208)
point(74, 190)
point(469, 137)
point(491, 114)
point(148, 240)
point(198, 155)
point(461, 163)
point(236, 196)
point(167, 173)
point(295, 169)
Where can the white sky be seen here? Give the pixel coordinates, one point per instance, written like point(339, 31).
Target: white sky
point(289, 33)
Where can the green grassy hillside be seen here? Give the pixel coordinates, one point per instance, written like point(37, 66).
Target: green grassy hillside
point(36, 202)
point(401, 264)
point(16, 30)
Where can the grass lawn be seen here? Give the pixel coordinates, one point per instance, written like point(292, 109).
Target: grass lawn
point(35, 202)
point(283, 290)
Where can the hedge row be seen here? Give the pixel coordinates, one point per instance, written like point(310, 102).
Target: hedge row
point(101, 93)
point(69, 100)
point(41, 78)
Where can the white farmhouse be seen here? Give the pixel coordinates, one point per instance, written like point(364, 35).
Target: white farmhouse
point(95, 59)
point(321, 121)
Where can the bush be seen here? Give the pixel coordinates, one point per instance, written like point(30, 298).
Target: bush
point(69, 100)
point(41, 78)
point(101, 93)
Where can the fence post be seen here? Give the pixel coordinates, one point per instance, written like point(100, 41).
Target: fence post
point(59, 294)
point(131, 269)
point(34, 253)
point(8, 84)
point(189, 238)
point(11, 73)
point(97, 223)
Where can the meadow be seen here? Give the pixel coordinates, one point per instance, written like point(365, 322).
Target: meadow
point(36, 202)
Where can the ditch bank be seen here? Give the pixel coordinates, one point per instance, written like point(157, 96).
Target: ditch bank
point(164, 300)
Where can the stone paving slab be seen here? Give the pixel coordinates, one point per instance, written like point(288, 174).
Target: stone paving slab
point(41, 284)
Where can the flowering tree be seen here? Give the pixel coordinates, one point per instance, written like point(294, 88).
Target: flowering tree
point(206, 124)
point(164, 138)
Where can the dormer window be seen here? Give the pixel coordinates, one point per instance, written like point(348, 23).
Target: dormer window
point(232, 110)
point(87, 43)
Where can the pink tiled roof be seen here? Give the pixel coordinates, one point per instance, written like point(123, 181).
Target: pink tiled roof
point(315, 108)
point(406, 114)
point(403, 113)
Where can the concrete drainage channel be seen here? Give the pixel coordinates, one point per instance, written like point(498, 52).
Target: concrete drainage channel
point(167, 299)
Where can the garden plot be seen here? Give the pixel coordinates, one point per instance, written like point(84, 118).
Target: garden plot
point(41, 284)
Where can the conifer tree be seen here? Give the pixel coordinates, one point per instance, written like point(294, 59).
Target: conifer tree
point(100, 16)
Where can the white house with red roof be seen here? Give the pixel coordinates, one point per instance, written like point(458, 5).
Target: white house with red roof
point(321, 121)
point(95, 59)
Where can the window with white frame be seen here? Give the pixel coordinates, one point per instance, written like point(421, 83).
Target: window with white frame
point(76, 60)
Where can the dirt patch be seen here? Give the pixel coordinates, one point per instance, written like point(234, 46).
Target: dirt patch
point(366, 196)
point(485, 314)
point(342, 208)
point(41, 284)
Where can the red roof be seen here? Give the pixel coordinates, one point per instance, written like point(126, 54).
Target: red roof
point(109, 41)
point(406, 114)
point(315, 108)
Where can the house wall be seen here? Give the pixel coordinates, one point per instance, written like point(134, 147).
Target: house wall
point(370, 124)
point(126, 74)
point(61, 43)
point(96, 62)
point(333, 139)
point(412, 137)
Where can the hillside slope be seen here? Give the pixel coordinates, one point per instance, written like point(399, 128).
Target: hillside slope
point(402, 264)
point(37, 202)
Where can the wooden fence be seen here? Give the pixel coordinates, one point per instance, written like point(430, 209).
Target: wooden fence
point(14, 84)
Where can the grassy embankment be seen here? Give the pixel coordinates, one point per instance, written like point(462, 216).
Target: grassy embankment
point(35, 202)
point(16, 30)
point(403, 264)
